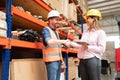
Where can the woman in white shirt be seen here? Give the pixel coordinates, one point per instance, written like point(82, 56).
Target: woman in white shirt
point(92, 48)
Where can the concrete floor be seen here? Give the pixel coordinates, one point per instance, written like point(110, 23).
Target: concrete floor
point(104, 76)
point(112, 75)
point(109, 76)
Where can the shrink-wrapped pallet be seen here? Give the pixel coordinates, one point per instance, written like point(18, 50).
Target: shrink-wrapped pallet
point(2, 15)
point(72, 12)
point(109, 53)
point(59, 5)
point(83, 6)
point(71, 68)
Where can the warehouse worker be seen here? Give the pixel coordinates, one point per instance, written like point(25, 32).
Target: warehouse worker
point(91, 47)
point(52, 51)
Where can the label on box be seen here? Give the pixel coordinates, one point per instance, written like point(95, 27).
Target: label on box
point(3, 25)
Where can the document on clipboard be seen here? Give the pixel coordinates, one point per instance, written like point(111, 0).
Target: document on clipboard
point(81, 42)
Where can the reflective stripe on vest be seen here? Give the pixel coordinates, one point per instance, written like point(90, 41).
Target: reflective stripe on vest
point(52, 52)
point(51, 58)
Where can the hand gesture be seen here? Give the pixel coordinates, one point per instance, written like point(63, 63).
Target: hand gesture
point(67, 43)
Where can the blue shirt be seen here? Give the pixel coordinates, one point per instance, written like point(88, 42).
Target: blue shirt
point(46, 35)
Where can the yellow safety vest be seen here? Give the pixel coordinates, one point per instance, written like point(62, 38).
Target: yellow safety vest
point(52, 52)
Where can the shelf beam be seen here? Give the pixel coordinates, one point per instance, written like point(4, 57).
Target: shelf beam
point(4, 43)
point(28, 17)
point(26, 44)
point(7, 43)
point(43, 4)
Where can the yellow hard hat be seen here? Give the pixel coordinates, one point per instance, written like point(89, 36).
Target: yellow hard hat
point(93, 12)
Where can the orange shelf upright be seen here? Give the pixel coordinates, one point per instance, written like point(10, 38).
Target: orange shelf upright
point(28, 17)
point(43, 4)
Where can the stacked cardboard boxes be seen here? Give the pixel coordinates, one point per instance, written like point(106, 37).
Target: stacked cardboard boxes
point(3, 24)
point(83, 6)
point(109, 53)
point(72, 12)
point(59, 5)
point(72, 68)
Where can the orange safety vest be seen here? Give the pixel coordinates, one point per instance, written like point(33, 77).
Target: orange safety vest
point(52, 52)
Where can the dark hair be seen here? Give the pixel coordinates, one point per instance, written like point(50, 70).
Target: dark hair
point(94, 17)
point(96, 22)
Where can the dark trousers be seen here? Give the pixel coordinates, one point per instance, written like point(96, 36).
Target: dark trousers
point(90, 69)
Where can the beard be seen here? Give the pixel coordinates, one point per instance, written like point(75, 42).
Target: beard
point(57, 25)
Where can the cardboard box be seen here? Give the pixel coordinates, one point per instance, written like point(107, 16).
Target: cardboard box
point(3, 33)
point(109, 53)
point(72, 12)
point(59, 5)
point(28, 69)
point(83, 6)
point(71, 68)
point(2, 15)
point(3, 28)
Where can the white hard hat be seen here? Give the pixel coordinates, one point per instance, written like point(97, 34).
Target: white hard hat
point(53, 13)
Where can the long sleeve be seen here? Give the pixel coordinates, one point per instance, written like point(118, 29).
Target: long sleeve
point(97, 43)
point(75, 45)
point(101, 44)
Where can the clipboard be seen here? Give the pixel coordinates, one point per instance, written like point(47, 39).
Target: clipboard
point(82, 43)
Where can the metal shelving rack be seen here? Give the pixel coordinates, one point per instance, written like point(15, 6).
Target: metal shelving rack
point(8, 42)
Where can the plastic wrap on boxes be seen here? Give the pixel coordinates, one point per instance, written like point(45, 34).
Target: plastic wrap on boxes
point(3, 28)
point(3, 24)
point(2, 15)
point(3, 33)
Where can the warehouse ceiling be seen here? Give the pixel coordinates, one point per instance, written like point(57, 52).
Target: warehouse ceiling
point(110, 10)
point(107, 7)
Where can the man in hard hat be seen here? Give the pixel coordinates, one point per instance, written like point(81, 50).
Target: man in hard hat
point(91, 47)
point(52, 51)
